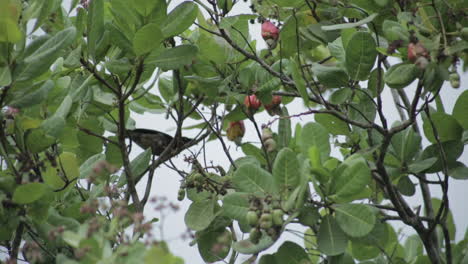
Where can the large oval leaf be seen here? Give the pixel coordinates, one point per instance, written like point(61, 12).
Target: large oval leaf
point(236, 205)
point(29, 192)
point(360, 55)
point(400, 75)
point(290, 252)
point(200, 214)
point(286, 171)
point(247, 247)
point(314, 134)
point(210, 249)
point(253, 179)
point(331, 240)
point(460, 110)
point(351, 177)
point(179, 19)
point(40, 60)
point(356, 220)
point(147, 38)
point(174, 58)
point(446, 126)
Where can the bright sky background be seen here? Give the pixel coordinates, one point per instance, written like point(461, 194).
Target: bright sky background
point(166, 182)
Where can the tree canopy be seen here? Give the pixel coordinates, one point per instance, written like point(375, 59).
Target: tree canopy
point(72, 75)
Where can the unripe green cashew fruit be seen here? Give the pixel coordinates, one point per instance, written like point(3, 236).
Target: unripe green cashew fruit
point(266, 221)
point(255, 235)
point(198, 177)
point(181, 194)
point(278, 217)
point(454, 79)
point(252, 218)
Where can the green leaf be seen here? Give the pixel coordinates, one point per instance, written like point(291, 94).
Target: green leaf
point(363, 252)
point(69, 164)
point(334, 125)
point(247, 247)
point(87, 167)
point(331, 240)
point(113, 154)
point(236, 205)
point(179, 19)
point(42, 58)
point(356, 220)
point(421, 165)
point(147, 38)
point(157, 254)
point(406, 186)
point(284, 129)
point(459, 172)
point(400, 75)
point(33, 98)
point(267, 259)
point(394, 31)
point(288, 3)
point(29, 192)
point(350, 25)
point(314, 134)
point(37, 140)
point(446, 126)
point(175, 58)
point(413, 248)
point(330, 76)
point(5, 76)
point(208, 242)
point(200, 214)
point(251, 150)
point(351, 177)
point(291, 253)
point(406, 144)
point(140, 164)
point(45, 10)
point(373, 85)
point(360, 55)
point(228, 22)
point(286, 171)
point(144, 7)
point(72, 238)
point(9, 31)
point(253, 179)
point(460, 110)
point(64, 107)
point(54, 126)
point(51, 177)
point(95, 25)
point(299, 81)
point(452, 150)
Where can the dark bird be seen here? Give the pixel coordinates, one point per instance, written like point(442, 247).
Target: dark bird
point(156, 140)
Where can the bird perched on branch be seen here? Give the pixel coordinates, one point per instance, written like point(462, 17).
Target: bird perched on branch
point(156, 140)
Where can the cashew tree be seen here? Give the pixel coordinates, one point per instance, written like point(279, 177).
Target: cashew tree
point(73, 75)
